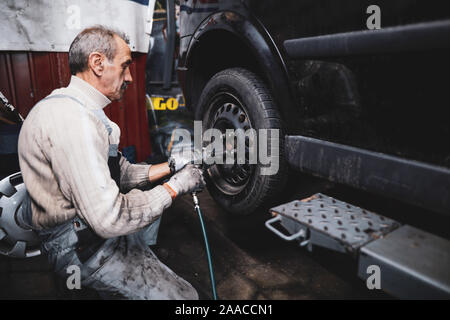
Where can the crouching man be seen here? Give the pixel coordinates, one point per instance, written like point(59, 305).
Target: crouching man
point(83, 197)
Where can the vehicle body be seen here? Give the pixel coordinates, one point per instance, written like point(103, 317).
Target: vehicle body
point(366, 111)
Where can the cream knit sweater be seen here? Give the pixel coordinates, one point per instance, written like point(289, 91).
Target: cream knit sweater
point(63, 155)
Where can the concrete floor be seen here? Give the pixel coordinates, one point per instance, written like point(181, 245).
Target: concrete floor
point(249, 261)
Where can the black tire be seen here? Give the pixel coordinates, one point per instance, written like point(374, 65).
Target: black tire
point(247, 92)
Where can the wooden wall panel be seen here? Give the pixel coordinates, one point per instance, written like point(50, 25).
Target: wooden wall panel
point(27, 77)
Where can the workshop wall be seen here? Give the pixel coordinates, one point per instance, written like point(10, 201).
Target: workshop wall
point(27, 77)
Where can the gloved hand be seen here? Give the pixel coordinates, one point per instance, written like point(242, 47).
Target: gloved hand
point(179, 158)
point(189, 179)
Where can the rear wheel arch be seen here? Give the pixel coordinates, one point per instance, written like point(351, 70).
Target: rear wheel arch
point(226, 44)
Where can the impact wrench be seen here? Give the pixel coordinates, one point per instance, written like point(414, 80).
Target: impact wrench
point(208, 254)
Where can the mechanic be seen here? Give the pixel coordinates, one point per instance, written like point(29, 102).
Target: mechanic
point(84, 200)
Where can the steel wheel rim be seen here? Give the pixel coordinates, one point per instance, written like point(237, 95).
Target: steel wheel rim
point(227, 112)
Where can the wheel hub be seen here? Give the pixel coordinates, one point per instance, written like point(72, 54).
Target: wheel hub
point(231, 178)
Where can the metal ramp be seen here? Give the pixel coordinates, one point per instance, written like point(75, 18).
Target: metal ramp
point(413, 264)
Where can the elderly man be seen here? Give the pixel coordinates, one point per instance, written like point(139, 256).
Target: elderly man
point(83, 195)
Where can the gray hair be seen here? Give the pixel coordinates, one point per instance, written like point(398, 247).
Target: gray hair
point(96, 38)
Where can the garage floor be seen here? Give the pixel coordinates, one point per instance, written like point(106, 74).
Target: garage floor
point(250, 262)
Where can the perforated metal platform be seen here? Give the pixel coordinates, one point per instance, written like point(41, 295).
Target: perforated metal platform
point(412, 263)
point(332, 223)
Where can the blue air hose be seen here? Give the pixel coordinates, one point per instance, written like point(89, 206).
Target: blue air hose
point(208, 254)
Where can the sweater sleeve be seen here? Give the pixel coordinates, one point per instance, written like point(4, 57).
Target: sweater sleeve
point(77, 149)
point(133, 175)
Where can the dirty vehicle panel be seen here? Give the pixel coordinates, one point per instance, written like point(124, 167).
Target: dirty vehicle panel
point(373, 118)
point(392, 103)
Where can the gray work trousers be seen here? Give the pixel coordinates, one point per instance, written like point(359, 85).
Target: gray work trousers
point(122, 267)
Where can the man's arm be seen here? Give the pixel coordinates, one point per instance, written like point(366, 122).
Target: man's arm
point(78, 154)
point(158, 171)
point(133, 175)
point(139, 175)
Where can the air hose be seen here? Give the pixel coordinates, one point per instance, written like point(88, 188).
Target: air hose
point(208, 254)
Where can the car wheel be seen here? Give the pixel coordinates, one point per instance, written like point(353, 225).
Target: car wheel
point(237, 98)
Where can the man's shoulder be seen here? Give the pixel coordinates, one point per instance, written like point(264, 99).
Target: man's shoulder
point(60, 104)
point(60, 108)
point(60, 98)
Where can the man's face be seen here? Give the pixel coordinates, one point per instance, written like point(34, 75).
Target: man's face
point(116, 75)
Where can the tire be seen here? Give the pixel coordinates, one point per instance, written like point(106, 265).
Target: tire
point(247, 93)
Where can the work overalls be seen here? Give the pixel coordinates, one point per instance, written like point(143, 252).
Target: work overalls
point(120, 267)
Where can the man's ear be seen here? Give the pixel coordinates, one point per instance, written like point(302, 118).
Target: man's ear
point(96, 63)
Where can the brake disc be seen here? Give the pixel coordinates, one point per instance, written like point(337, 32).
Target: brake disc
point(15, 239)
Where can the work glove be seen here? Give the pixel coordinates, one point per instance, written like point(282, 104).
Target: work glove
point(181, 157)
point(187, 180)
